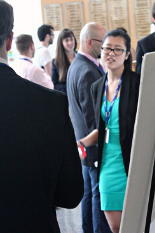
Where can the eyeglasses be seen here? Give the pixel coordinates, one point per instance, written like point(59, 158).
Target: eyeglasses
point(97, 40)
point(51, 34)
point(117, 51)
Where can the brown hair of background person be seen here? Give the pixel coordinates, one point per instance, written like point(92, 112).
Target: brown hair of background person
point(61, 60)
point(23, 42)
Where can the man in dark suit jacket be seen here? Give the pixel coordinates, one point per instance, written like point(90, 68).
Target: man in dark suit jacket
point(39, 162)
point(83, 71)
point(145, 45)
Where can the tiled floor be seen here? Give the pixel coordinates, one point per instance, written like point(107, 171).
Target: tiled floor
point(69, 220)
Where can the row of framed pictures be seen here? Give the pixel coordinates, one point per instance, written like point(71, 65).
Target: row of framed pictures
point(74, 15)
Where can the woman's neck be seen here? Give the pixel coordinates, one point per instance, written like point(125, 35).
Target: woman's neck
point(115, 75)
point(70, 55)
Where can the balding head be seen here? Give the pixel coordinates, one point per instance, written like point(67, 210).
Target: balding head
point(91, 38)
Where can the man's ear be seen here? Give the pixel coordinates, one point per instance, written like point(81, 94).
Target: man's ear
point(153, 19)
point(89, 42)
point(32, 46)
point(9, 42)
point(47, 37)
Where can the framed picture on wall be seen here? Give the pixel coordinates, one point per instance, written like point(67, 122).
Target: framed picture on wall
point(53, 16)
point(74, 17)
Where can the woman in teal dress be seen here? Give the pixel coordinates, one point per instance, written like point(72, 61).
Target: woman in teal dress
point(115, 98)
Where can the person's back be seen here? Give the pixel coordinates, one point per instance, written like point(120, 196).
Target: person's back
point(39, 162)
point(26, 69)
point(43, 57)
point(24, 65)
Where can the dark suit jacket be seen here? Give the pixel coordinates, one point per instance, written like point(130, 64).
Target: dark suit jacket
point(59, 86)
point(145, 45)
point(39, 162)
point(81, 74)
point(127, 112)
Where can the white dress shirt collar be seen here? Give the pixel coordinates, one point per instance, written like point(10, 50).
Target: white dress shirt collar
point(2, 60)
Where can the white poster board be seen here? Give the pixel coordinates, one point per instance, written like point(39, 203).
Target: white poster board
point(142, 153)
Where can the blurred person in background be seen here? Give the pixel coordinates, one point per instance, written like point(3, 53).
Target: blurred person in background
point(65, 53)
point(42, 55)
point(24, 65)
point(145, 45)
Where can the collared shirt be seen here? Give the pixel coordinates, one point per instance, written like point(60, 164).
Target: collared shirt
point(2, 60)
point(89, 57)
point(26, 69)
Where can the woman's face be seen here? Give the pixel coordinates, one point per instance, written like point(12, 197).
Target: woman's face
point(114, 59)
point(68, 43)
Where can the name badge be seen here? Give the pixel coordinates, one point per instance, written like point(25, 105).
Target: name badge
point(106, 135)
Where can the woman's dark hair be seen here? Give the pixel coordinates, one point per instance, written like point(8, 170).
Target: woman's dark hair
point(61, 60)
point(121, 33)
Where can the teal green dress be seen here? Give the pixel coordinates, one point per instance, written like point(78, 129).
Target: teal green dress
point(112, 178)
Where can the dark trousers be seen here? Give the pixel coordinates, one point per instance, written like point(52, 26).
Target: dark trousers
point(93, 219)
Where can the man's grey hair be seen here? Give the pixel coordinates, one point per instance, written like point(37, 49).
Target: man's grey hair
point(6, 21)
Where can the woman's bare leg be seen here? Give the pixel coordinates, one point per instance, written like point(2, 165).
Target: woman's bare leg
point(114, 220)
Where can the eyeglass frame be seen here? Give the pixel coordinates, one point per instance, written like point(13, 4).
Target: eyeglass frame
point(97, 40)
point(112, 50)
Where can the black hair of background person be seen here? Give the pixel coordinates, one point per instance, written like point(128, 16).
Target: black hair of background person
point(61, 60)
point(121, 33)
point(39, 161)
point(43, 31)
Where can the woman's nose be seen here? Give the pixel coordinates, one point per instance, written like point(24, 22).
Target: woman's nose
point(112, 52)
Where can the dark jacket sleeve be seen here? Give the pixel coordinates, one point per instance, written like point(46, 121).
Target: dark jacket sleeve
point(69, 190)
point(139, 57)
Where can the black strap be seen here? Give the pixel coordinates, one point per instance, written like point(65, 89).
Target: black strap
point(150, 205)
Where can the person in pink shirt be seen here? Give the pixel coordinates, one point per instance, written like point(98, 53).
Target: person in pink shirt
point(24, 65)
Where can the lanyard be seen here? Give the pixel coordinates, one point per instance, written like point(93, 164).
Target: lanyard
point(25, 59)
point(107, 114)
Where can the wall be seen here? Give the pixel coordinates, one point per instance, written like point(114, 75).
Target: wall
point(86, 14)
